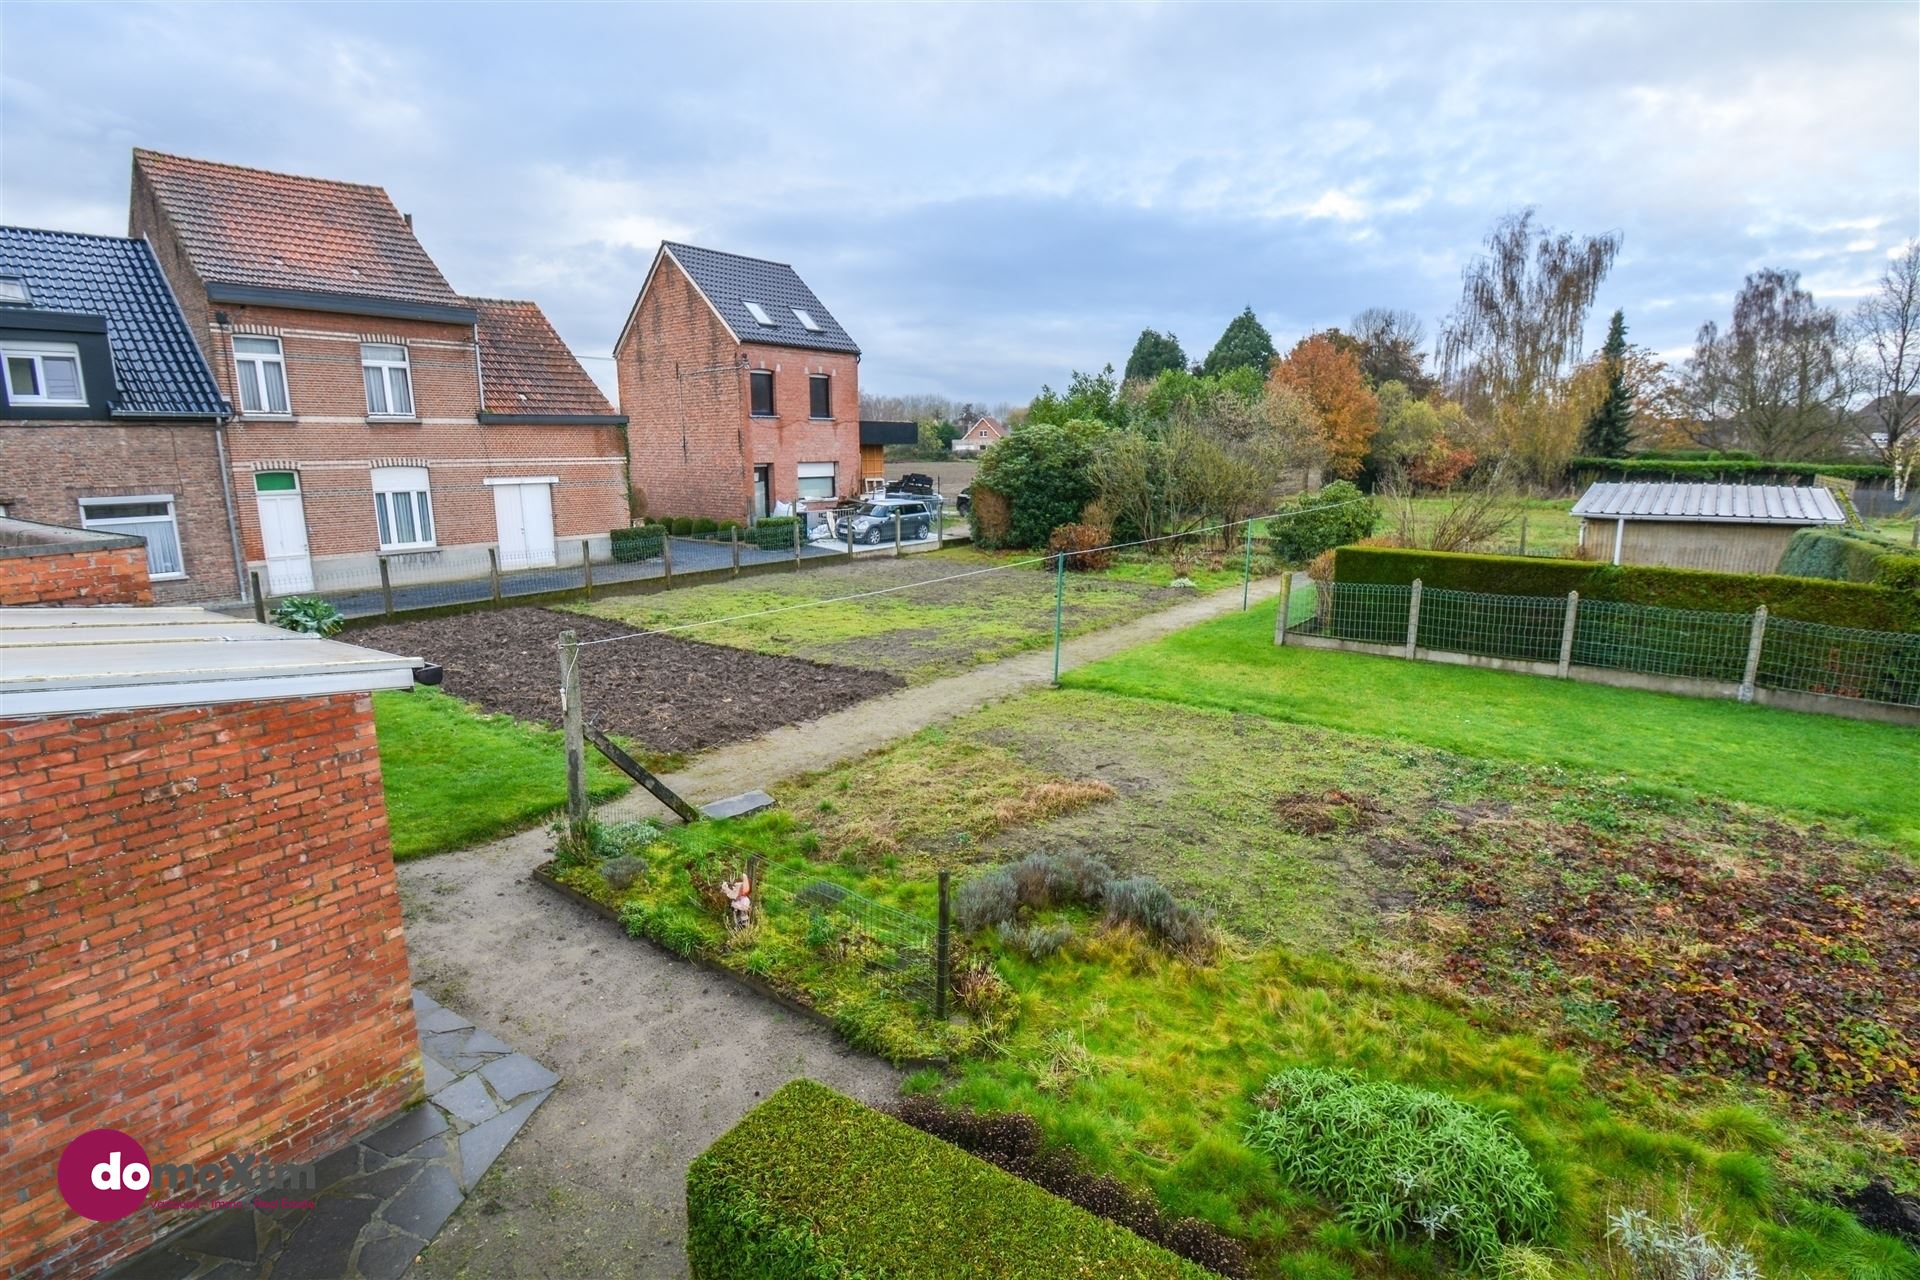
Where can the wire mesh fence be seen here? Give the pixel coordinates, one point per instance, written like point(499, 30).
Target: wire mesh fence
point(1805, 657)
point(859, 929)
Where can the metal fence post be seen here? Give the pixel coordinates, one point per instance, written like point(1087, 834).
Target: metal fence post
point(735, 532)
point(575, 726)
point(493, 570)
point(896, 535)
point(259, 598)
point(1413, 618)
point(666, 558)
point(586, 565)
point(941, 944)
point(386, 588)
point(1286, 607)
point(1566, 633)
point(1752, 673)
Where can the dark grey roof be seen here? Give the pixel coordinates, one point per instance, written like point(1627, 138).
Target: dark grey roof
point(730, 282)
point(158, 369)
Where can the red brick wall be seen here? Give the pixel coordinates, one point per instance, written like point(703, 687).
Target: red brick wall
point(684, 390)
point(76, 575)
point(200, 945)
point(46, 468)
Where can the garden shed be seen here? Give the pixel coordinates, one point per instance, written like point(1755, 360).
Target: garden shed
point(1731, 528)
point(200, 930)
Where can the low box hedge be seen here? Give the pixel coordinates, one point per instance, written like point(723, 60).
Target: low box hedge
point(642, 542)
point(1737, 470)
point(1840, 604)
point(812, 1185)
point(774, 533)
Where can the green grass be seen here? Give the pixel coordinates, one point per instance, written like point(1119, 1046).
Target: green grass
point(456, 776)
point(1552, 529)
point(1855, 774)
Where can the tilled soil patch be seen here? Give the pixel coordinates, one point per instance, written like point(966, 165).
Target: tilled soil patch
point(675, 696)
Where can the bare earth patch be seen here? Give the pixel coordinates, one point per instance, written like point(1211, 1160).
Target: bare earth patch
point(673, 695)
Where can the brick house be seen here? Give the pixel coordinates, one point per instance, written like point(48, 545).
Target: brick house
point(742, 390)
point(110, 419)
point(377, 412)
point(200, 935)
point(982, 433)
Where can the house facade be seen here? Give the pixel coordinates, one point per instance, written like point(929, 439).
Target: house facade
point(980, 435)
point(377, 413)
point(741, 389)
point(110, 419)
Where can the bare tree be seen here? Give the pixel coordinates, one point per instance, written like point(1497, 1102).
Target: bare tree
point(1392, 348)
point(1775, 381)
point(1886, 334)
point(1517, 334)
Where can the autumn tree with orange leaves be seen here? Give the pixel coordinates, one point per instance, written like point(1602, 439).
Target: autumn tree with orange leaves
point(1328, 375)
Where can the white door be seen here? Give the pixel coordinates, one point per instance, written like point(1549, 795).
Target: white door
point(283, 532)
point(523, 513)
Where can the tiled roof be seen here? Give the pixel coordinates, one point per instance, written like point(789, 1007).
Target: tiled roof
point(157, 367)
point(526, 368)
point(1711, 503)
point(730, 282)
point(245, 226)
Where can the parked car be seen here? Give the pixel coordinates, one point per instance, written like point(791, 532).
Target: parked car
point(872, 521)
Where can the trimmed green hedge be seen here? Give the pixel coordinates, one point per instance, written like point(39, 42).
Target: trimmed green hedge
point(1849, 556)
point(812, 1185)
point(1839, 604)
point(774, 533)
point(1724, 468)
point(643, 542)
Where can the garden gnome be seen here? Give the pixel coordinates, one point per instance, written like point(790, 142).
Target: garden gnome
point(739, 897)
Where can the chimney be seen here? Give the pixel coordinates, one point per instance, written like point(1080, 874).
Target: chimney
point(409, 218)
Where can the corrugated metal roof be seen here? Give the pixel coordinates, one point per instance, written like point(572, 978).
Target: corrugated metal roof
point(731, 281)
point(117, 658)
point(1711, 503)
point(158, 369)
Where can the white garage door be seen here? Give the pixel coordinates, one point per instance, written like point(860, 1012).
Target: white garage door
point(523, 513)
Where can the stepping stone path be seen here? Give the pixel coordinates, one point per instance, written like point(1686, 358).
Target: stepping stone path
point(378, 1201)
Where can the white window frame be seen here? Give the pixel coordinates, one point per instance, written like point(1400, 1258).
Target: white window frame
point(389, 370)
point(38, 352)
point(249, 371)
point(414, 486)
point(828, 471)
point(113, 524)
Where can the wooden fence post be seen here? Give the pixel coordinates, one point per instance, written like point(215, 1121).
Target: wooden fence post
point(493, 570)
point(940, 526)
point(799, 521)
point(849, 535)
point(735, 535)
point(1523, 533)
point(942, 943)
point(574, 723)
point(586, 565)
point(1752, 673)
point(386, 588)
point(1413, 618)
point(259, 598)
point(1566, 634)
point(666, 558)
point(896, 535)
point(1286, 607)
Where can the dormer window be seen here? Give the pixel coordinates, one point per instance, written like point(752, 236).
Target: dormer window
point(43, 373)
point(14, 289)
point(759, 313)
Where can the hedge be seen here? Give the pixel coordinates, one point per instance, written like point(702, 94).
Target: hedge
point(1839, 604)
point(812, 1185)
point(1849, 556)
point(1725, 468)
point(775, 533)
point(642, 542)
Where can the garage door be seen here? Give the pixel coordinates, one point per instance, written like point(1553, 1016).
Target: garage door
point(523, 513)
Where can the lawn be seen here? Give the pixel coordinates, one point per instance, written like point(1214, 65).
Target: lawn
point(1551, 529)
point(1857, 776)
point(456, 776)
point(919, 629)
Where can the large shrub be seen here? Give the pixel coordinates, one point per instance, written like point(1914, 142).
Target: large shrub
point(1045, 473)
point(1404, 1162)
point(812, 1185)
point(1317, 522)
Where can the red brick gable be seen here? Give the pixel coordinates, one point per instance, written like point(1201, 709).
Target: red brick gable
point(242, 226)
point(526, 368)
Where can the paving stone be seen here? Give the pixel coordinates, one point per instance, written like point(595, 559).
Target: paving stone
point(440, 1019)
point(467, 1098)
point(383, 1184)
point(322, 1247)
point(437, 1075)
point(155, 1264)
point(422, 1001)
point(388, 1257)
point(738, 806)
point(343, 1163)
point(516, 1076)
point(445, 1047)
point(480, 1145)
point(428, 1201)
point(231, 1271)
point(486, 1042)
point(230, 1234)
point(409, 1131)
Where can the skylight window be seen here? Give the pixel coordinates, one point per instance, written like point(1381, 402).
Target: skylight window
point(806, 320)
point(759, 313)
point(14, 289)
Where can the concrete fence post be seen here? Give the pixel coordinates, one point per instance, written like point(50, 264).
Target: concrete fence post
point(1286, 607)
point(586, 566)
point(849, 535)
point(940, 525)
point(259, 598)
point(1758, 638)
point(896, 535)
point(798, 521)
point(1566, 634)
point(1523, 533)
point(386, 588)
point(493, 571)
point(1413, 618)
point(734, 533)
point(666, 558)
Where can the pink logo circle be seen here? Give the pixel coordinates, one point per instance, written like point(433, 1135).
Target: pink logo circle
point(104, 1175)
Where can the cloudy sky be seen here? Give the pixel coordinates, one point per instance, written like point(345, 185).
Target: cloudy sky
point(990, 197)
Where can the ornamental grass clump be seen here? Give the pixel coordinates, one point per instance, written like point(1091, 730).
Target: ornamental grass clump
point(1401, 1161)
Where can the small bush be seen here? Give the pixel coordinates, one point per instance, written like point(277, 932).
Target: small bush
point(309, 615)
point(1679, 1250)
point(1035, 941)
point(642, 542)
point(1044, 880)
point(1150, 907)
point(1400, 1161)
point(704, 527)
point(986, 901)
point(1085, 547)
point(680, 526)
point(1317, 522)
